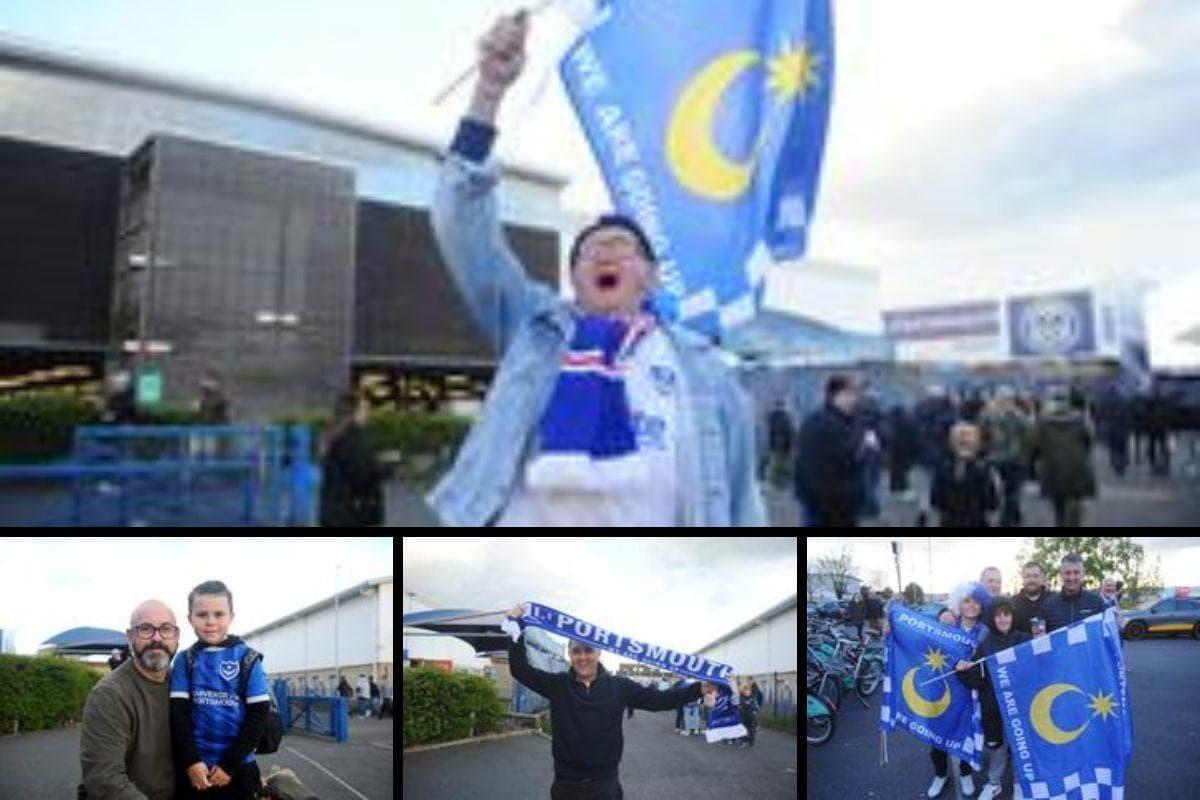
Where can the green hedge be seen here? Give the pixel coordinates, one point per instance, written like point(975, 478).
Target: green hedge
point(438, 706)
point(426, 442)
point(41, 427)
point(43, 692)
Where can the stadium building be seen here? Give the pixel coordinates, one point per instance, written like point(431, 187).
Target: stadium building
point(172, 228)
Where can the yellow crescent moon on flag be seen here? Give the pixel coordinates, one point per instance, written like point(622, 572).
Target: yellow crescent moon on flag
point(919, 705)
point(1039, 714)
point(694, 158)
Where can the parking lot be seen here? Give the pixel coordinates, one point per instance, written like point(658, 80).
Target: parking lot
point(657, 763)
point(1164, 696)
point(45, 765)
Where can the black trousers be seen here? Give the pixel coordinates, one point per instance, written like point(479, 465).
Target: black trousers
point(586, 789)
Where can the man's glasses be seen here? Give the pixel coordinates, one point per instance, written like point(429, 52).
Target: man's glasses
point(580, 650)
point(146, 631)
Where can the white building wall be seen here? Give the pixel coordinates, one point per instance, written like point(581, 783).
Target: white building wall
point(307, 643)
point(385, 610)
point(762, 649)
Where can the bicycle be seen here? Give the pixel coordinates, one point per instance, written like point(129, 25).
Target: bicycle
point(821, 720)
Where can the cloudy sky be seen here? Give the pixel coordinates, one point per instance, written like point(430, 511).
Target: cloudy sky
point(942, 562)
point(975, 148)
point(677, 593)
point(50, 585)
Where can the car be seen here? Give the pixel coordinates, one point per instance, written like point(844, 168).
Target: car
point(834, 609)
point(1167, 617)
point(930, 609)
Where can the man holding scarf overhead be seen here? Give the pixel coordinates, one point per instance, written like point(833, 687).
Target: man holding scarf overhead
point(599, 412)
point(586, 712)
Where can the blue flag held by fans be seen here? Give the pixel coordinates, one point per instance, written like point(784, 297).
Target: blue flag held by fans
point(707, 119)
point(945, 713)
point(1066, 712)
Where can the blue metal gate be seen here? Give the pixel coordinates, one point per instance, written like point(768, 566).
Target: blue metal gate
point(314, 714)
point(175, 475)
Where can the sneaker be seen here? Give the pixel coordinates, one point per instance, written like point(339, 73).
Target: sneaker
point(990, 792)
point(968, 785)
point(936, 787)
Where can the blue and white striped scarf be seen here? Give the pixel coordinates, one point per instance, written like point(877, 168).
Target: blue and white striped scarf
point(723, 720)
point(587, 438)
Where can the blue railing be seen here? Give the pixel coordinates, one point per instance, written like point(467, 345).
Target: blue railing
point(170, 475)
point(320, 716)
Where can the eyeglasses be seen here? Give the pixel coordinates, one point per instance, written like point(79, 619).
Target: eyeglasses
point(616, 247)
point(581, 650)
point(166, 631)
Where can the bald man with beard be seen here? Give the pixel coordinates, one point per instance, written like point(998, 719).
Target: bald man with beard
point(125, 742)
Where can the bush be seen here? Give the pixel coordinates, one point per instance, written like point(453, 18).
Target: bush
point(41, 427)
point(425, 442)
point(43, 692)
point(441, 706)
point(171, 415)
point(428, 434)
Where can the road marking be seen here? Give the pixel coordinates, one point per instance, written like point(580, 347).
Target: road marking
point(353, 791)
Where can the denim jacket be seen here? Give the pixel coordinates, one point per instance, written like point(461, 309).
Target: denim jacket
point(531, 326)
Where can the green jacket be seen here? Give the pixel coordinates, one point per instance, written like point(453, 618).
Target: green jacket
point(1062, 446)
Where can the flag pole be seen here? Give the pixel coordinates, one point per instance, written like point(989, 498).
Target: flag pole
point(948, 674)
point(466, 74)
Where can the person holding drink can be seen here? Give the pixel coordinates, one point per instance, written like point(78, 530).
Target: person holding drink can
point(1029, 602)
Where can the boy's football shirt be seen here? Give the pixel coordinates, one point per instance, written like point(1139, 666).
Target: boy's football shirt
point(217, 710)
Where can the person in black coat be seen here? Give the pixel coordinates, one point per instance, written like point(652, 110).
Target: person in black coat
point(1029, 603)
point(1002, 635)
point(351, 476)
point(902, 445)
point(586, 709)
point(965, 484)
point(1072, 603)
point(830, 459)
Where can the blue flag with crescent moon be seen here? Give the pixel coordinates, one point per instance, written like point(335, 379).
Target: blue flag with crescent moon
point(942, 713)
point(1065, 707)
point(707, 119)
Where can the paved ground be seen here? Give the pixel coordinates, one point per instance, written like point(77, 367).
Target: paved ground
point(658, 764)
point(45, 765)
point(1166, 728)
point(1139, 500)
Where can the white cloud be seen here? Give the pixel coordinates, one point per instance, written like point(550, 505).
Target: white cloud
point(970, 142)
point(50, 585)
point(680, 593)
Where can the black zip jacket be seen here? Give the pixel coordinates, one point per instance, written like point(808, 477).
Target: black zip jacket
point(1064, 609)
point(1024, 609)
point(587, 741)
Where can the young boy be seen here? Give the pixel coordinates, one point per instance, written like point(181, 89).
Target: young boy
point(214, 725)
point(748, 710)
point(965, 485)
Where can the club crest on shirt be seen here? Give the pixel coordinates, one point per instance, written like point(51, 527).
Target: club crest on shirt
point(228, 670)
point(663, 379)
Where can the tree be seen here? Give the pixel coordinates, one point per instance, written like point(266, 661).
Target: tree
point(1102, 556)
point(913, 595)
point(836, 571)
